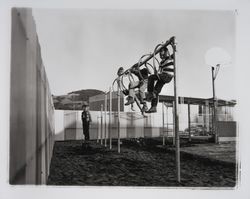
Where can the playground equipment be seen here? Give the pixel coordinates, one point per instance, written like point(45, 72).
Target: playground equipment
point(144, 62)
point(168, 101)
point(121, 87)
point(105, 126)
point(105, 121)
point(110, 118)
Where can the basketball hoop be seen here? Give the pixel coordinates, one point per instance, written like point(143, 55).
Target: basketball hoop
point(217, 57)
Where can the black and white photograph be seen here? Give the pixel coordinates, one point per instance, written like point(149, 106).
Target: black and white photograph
point(125, 98)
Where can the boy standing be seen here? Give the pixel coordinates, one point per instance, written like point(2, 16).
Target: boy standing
point(86, 120)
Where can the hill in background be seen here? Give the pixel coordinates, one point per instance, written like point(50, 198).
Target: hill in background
point(74, 99)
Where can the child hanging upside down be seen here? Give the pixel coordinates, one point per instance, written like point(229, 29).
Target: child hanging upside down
point(142, 75)
point(164, 76)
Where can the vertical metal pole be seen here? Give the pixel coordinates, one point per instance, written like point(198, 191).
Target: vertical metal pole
point(118, 115)
point(167, 124)
point(163, 136)
point(226, 112)
point(209, 117)
point(173, 112)
point(214, 121)
point(177, 141)
point(101, 125)
point(203, 119)
point(97, 140)
point(189, 123)
point(105, 120)
point(110, 118)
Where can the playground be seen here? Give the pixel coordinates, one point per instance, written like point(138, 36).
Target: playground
point(140, 130)
point(145, 163)
point(127, 147)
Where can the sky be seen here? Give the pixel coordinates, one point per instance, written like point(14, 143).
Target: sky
point(82, 49)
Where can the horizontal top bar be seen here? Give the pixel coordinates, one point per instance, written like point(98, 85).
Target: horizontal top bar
point(168, 42)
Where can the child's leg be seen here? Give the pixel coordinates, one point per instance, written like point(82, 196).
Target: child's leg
point(151, 82)
point(158, 86)
point(154, 101)
point(164, 78)
point(157, 89)
point(142, 89)
point(131, 95)
point(86, 131)
point(142, 95)
point(132, 87)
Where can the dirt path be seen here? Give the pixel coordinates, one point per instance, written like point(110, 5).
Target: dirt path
point(134, 166)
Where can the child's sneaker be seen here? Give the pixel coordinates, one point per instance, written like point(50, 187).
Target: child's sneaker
point(130, 101)
point(152, 110)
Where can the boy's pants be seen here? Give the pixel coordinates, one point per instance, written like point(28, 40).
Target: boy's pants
point(156, 88)
point(85, 127)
